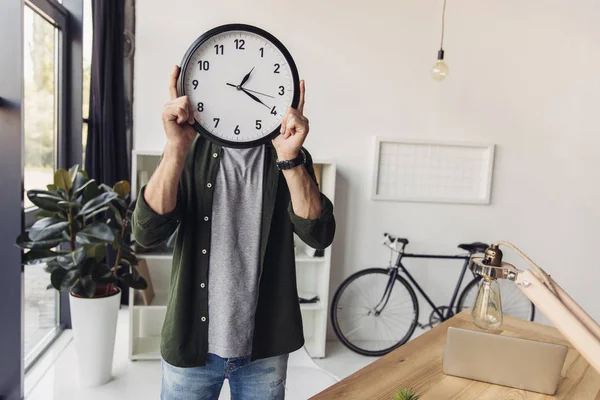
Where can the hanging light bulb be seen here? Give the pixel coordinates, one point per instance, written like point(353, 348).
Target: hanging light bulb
point(440, 70)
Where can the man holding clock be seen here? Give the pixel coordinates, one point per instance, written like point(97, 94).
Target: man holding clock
point(233, 310)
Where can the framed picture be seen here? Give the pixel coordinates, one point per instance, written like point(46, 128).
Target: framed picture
point(439, 172)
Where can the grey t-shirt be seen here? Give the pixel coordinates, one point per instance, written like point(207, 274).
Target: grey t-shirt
point(233, 270)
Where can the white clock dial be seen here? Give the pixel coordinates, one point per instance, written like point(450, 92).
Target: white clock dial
point(240, 84)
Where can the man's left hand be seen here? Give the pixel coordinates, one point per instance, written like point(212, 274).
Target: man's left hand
point(294, 129)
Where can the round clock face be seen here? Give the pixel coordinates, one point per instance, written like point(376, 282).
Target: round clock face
point(240, 81)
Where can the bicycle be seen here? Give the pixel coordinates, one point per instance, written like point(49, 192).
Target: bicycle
point(375, 310)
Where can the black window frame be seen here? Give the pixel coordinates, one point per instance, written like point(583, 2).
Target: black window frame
point(68, 18)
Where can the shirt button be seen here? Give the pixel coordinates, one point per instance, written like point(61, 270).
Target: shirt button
point(205, 218)
point(203, 319)
point(215, 155)
point(209, 185)
point(202, 285)
point(203, 251)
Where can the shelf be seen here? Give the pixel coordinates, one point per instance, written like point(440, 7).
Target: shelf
point(146, 348)
point(159, 301)
point(155, 256)
point(303, 258)
point(311, 306)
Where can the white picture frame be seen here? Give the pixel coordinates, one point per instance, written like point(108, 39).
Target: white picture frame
point(432, 171)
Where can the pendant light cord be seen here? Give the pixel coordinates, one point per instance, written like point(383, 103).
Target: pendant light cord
point(443, 25)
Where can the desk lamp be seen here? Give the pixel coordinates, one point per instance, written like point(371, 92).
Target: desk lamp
point(566, 315)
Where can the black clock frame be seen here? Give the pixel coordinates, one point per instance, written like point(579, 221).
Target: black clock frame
point(252, 29)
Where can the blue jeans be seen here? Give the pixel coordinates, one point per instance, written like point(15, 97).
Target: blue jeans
point(257, 380)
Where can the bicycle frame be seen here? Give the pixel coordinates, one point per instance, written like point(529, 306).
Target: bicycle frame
point(394, 270)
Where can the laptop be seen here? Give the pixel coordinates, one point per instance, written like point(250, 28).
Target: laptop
point(502, 360)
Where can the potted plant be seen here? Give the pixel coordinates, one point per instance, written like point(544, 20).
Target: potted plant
point(406, 394)
point(77, 221)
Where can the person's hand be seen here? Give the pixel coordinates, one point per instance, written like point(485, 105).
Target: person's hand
point(294, 129)
point(178, 117)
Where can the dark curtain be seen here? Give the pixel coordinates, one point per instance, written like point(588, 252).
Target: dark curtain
point(106, 150)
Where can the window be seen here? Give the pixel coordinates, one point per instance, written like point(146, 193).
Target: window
point(40, 128)
point(88, 34)
point(40, 101)
point(52, 80)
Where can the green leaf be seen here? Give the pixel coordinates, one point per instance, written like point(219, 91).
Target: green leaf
point(85, 287)
point(62, 179)
point(106, 188)
point(133, 281)
point(45, 214)
point(56, 278)
point(51, 266)
point(73, 170)
point(91, 191)
point(117, 213)
point(103, 275)
point(72, 259)
point(47, 228)
point(87, 266)
point(23, 241)
point(129, 256)
point(98, 232)
point(69, 205)
point(70, 278)
point(97, 202)
point(38, 257)
point(96, 251)
point(44, 199)
point(78, 181)
point(52, 187)
point(122, 188)
point(96, 212)
point(79, 190)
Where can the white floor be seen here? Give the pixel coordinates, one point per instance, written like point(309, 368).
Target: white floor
point(56, 376)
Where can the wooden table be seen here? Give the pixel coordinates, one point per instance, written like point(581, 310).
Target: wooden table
point(418, 365)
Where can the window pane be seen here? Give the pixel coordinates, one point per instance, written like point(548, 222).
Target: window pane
point(88, 33)
point(40, 101)
point(40, 308)
point(40, 131)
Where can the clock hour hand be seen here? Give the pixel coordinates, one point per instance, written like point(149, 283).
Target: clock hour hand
point(246, 77)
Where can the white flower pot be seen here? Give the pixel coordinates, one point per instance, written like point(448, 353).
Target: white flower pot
point(94, 326)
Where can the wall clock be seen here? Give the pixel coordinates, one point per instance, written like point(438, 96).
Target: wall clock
point(240, 80)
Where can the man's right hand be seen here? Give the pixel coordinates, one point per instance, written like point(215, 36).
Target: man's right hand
point(178, 118)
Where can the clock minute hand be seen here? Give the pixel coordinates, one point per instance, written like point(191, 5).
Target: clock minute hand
point(253, 97)
point(249, 90)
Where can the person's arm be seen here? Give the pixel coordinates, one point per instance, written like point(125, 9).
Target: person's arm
point(310, 211)
point(156, 215)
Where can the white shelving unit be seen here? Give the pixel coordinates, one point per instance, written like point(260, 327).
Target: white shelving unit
point(312, 276)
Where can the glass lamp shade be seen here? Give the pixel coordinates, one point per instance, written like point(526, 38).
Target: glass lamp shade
point(487, 311)
point(440, 70)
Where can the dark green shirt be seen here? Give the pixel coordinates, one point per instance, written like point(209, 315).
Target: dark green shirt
point(278, 322)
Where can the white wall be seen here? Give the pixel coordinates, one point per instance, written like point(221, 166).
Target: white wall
point(523, 75)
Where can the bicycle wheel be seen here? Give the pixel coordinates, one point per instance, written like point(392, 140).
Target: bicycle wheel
point(355, 321)
point(514, 302)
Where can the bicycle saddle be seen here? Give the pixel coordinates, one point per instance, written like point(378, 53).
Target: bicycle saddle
point(401, 240)
point(475, 247)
